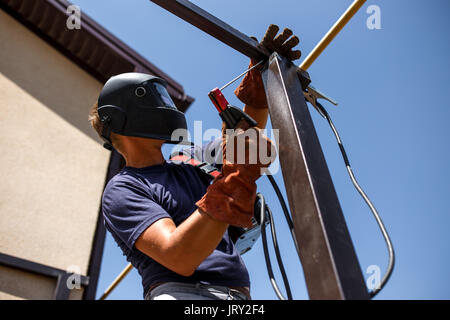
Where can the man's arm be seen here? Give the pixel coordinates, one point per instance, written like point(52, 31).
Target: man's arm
point(182, 249)
point(228, 200)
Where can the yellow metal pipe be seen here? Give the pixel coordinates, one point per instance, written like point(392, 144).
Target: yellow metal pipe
point(116, 281)
point(335, 29)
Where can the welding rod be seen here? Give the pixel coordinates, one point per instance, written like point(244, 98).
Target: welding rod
point(335, 29)
point(242, 74)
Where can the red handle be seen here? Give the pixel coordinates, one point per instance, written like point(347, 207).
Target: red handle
point(218, 99)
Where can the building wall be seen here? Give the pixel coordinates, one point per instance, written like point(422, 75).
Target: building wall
point(52, 165)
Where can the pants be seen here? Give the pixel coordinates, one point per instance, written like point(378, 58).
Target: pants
point(194, 291)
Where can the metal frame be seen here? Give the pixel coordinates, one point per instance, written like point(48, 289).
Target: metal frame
point(61, 292)
point(331, 267)
point(330, 264)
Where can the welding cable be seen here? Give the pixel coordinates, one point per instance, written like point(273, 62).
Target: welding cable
point(264, 209)
point(278, 254)
point(266, 251)
point(285, 209)
point(375, 213)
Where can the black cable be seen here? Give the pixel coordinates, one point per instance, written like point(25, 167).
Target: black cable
point(368, 202)
point(278, 254)
point(264, 209)
point(285, 209)
point(281, 199)
point(361, 192)
point(266, 251)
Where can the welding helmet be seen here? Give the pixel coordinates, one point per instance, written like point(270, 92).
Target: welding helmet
point(138, 105)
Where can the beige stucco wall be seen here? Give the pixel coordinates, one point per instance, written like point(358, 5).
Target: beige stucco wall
point(52, 166)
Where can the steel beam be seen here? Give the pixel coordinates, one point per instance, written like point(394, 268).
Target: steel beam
point(330, 264)
point(215, 27)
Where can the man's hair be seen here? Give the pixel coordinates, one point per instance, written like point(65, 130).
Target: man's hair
point(95, 122)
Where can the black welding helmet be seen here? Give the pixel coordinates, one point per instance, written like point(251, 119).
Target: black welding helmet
point(138, 105)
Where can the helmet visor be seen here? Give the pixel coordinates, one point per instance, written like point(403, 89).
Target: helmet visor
point(164, 96)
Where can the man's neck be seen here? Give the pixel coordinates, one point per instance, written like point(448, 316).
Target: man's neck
point(144, 156)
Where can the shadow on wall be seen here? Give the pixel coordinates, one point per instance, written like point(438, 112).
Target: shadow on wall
point(47, 75)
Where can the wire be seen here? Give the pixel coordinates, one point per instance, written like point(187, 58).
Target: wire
point(375, 213)
point(285, 209)
point(277, 253)
point(264, 209)
point(266, 251)
point(239, 76)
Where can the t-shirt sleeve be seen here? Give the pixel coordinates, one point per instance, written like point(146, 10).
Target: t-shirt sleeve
point(129, 210)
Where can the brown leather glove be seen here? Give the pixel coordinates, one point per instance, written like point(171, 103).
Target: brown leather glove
point(251, 89)
point(282, 43)
point(231, 196)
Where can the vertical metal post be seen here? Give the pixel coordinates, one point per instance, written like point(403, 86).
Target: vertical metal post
point(116, 163)
point(62, 292)
point(330, 264)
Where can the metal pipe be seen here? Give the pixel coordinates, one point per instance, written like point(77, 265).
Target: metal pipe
point(335, 29)
point(116, 281)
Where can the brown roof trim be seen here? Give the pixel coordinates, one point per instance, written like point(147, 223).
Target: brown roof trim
point(92, 47)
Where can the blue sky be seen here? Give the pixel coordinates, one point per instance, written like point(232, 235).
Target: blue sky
point(392, 87)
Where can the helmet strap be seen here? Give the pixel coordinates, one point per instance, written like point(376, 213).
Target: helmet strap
point(106, 133)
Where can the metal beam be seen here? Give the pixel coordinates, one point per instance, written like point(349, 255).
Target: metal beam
point(61, 292)
point(330, 264)
point(215, 27)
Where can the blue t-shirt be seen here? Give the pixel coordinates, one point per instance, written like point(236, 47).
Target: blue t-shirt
point(137, 197)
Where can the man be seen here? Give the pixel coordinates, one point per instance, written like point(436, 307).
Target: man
point(170, 222)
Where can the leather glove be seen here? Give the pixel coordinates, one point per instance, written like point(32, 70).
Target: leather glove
point(231, 196)
point(251, 89)
point(283, 43)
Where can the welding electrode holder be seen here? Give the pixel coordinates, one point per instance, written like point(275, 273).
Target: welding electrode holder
point(229, 114)
point(232, 115)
